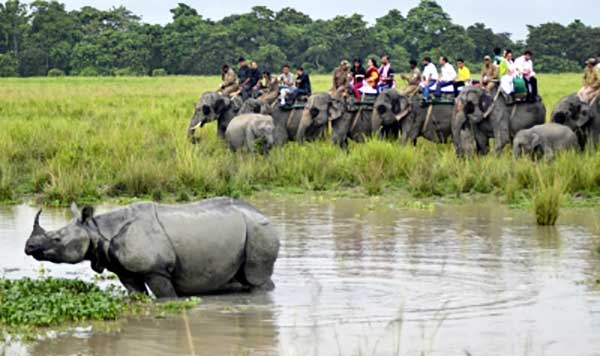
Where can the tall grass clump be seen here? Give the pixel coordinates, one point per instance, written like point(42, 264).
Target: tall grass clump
point(548, 197)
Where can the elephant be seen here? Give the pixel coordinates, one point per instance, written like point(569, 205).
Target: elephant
point(287, 121)
point(580, 117)
point(491, 115)
point(174, 250)
point(396, 113)
point(543, 141)
point(255, 106)
point(354, 124)
point(245, 130)
point(319, 110)
point(213, 106)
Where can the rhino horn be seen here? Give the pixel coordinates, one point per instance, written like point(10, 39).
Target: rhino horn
point(37, 229)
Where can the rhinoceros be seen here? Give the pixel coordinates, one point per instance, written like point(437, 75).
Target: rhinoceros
point(176, 250)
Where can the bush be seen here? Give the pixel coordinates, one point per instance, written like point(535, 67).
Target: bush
point(547, 200)
point(55, 72)
point(160, 72)
point(89, 72)
point(8, 66)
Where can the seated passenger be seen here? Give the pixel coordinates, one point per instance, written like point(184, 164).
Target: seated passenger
point(230, 82)
point(302, 85)
point(591, 82)
point(358, 76)
point(386, 74)
point(489, 74)
point(413, 79)
point(244, 78)
point(430, 77)
point(268, 90)
point(372, 78)
point(464, 76)
point(448, 76)
point(524, 66)
point(507, 72)
point(341, 79)
point(287, 83)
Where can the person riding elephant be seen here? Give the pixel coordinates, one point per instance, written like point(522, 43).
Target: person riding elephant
point(270, 89)
point(355, 123)
point(341, 79)
point(544, 141)
point(230, 84)
point(395, 113)
point(580, 117)
point(413, 79)
point(489, 74)
point(213, 106)
point(319, 110)
point(488, 115)
point(246, 130)
point(591, 82)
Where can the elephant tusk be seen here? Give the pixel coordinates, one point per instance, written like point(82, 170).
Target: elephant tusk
point(195, 126)
point(402, 115)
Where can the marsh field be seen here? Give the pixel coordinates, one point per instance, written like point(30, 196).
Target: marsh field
point(376, 257)
point(98, 139)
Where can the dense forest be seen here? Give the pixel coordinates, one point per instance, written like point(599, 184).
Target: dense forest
point(43, 38)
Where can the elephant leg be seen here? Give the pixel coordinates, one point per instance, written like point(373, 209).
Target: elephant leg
point(160, 285)
point(133, 284)
point(483, 143)
point(501, 136)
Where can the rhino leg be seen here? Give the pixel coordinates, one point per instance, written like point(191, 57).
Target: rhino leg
point(161, 286)
point(133, 284)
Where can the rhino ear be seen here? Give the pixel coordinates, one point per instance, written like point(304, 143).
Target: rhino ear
point(75, 210)
point(262, 248)
point(87, 213)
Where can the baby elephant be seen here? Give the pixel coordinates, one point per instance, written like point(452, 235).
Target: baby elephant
point(247, 129)
point(543, 141)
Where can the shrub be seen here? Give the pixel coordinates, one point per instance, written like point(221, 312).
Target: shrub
point(89, 72)
point(55, 72)
point(160, 72)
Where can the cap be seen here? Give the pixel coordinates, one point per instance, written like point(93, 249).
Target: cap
point(487, 57)
point(345, 63)
point(592, 61)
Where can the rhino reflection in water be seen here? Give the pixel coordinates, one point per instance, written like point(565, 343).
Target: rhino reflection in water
point(176, 250)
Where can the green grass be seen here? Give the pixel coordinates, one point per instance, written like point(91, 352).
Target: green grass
point(93, 139)
point(46, 302)
point(547, 200)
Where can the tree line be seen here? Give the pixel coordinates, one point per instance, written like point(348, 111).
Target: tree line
point(43, 38)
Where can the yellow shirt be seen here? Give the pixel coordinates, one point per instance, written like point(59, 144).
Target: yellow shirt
point(464, 74)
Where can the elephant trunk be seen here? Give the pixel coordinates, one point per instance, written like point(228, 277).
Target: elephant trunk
point(305, 122)
point(517, 150)
point(195, 122)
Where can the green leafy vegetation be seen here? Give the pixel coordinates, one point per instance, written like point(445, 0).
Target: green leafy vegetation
point(93, 139)
point(38, 36)
point(44, 302)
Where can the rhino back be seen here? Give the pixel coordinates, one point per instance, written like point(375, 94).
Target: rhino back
point(208, 239)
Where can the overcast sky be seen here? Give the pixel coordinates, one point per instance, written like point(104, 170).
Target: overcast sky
point(518, 13)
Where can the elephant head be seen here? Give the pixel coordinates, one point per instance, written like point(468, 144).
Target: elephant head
point(527, 142)
point(572, 112)
point(209, 107)
point(263, 129)
point(255, 106)
point(319, 110)
point(468, 111)
point(389, 108)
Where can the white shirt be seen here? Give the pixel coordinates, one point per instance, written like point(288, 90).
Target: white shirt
point(525, 67)
point(448, 73)
point(287, 80)
point(598, 65)
point(430, 72)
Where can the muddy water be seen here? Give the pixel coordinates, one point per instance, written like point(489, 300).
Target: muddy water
point(361, 277)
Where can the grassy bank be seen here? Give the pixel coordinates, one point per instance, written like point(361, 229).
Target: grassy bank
point(91, 139)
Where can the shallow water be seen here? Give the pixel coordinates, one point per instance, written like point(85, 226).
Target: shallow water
point(361, 277)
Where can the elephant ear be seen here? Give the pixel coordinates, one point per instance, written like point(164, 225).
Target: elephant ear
point(221, 105)
point(262, 247)
point(236, 103)
point(336, 109)
point(583, 116)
